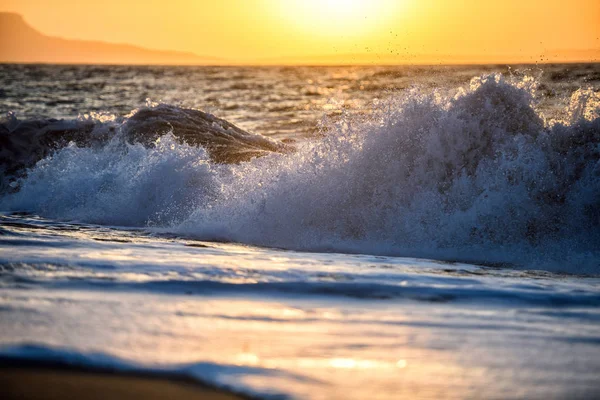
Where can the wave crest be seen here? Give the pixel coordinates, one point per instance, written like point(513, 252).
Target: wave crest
point(24, 143)
point(480, 176)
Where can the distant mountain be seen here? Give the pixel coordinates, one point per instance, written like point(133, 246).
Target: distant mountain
point(20, 43)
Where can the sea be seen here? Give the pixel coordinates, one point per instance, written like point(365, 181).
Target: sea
point(350, 232)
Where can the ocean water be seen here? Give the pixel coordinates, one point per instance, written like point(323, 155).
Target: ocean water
point(330, 232)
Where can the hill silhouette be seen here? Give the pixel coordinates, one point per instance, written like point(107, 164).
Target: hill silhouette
point(21, 43)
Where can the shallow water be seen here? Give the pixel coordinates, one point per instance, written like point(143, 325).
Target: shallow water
point(142, 245)
point(307, 325)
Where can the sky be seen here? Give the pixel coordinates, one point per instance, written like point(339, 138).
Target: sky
point(271, 31)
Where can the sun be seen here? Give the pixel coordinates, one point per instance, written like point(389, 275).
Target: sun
point(327, 18)
point(343, 9)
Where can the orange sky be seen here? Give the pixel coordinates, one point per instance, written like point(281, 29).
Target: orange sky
point(263, 31)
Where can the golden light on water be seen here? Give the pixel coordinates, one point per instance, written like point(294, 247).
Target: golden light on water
point(251, 359)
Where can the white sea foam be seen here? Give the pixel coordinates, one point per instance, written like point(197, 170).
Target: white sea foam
point(479, 176)
point(120, 183)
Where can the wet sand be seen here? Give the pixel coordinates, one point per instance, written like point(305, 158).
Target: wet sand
point(44, 382)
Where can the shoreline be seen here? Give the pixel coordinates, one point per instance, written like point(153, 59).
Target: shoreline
point(45, 380)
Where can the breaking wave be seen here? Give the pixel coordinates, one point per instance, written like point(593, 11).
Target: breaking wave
point(479, 175)
point(24, 143)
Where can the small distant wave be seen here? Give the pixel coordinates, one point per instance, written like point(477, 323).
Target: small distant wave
point(480, 176)
point(448, 291)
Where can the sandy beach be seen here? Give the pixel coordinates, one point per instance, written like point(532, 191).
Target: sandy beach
point(45, 382)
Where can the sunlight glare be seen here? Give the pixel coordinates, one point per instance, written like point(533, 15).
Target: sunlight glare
point(347, 18)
